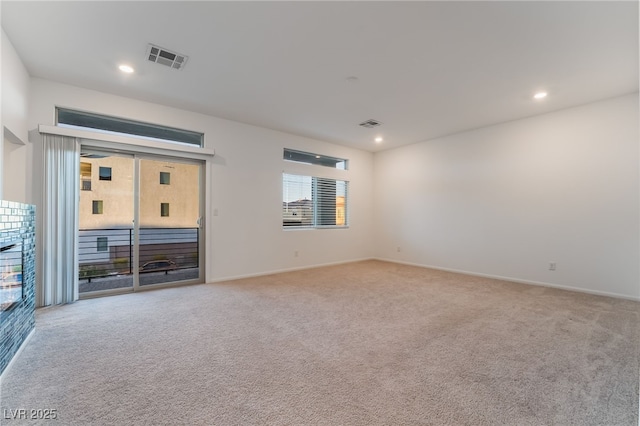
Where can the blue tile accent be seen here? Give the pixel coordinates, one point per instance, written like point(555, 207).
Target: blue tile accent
point(18, 222)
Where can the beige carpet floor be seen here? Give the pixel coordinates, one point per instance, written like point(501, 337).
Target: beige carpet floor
point(367, 343)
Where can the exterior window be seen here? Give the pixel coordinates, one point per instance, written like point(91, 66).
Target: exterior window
point(315, 159)
point(97, 206)
point(102, 243)
point(123, 126)
point(165, 178)
point(164, 209)
point(105, 173)
point(314, 202)
point(85, 176)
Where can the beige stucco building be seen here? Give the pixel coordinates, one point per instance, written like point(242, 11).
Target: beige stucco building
point(169, 193)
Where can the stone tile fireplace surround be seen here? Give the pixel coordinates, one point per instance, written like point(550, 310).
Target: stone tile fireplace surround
point(18, 223)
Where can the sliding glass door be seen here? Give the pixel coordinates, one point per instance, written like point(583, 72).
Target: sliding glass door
point(169, 245)
point(105, 238)
point(140, 222)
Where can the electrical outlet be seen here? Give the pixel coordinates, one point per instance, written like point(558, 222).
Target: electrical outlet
point(552, 266)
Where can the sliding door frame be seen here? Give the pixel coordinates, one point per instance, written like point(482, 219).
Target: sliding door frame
point(136, 159)
point(134, 145)
point(201, 228)
point(134, 195)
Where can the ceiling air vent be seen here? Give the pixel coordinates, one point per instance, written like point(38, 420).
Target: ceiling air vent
point(370, 123)
point(163, 56)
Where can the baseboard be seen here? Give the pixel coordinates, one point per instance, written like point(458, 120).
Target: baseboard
point(280, 271)
point(17, 354)
point(515, 280)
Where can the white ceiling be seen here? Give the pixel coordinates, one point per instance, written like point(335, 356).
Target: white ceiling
point(424, 69)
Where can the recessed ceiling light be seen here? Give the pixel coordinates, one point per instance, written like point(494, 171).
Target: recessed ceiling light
point(126, 68)
point(378, 139)
point(540, 95)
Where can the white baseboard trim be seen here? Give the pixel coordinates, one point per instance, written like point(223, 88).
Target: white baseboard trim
point(515, 280)
point(280, 271)
point(17, 354)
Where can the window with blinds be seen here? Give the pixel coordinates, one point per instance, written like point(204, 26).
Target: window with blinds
point(314, 202)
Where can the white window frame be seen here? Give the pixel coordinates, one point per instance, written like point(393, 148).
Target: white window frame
point(316, 212)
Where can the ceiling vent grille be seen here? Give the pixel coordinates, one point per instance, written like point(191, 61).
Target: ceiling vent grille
point(166, 57)
point(370, 123)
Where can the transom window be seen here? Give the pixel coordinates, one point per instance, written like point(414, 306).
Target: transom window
point(315, 159)
point(114, 125)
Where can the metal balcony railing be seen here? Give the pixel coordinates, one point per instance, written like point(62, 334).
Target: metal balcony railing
point(109, 251)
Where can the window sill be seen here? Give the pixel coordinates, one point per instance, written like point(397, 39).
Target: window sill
point(312, 228)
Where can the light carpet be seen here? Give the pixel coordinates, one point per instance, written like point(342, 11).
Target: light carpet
point(366, 343)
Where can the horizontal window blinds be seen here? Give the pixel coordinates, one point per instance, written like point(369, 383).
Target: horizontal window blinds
point(313, 202)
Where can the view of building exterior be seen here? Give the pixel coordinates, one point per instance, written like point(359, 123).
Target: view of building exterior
point(300, 212)
point(169, 193)
point(169, 203)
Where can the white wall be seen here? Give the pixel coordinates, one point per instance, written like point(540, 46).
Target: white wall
point(508, 199)
point(15, 178)
point(500, 201)
point(246, 237)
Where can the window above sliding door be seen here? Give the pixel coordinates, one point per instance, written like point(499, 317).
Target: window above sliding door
point(122, 126)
